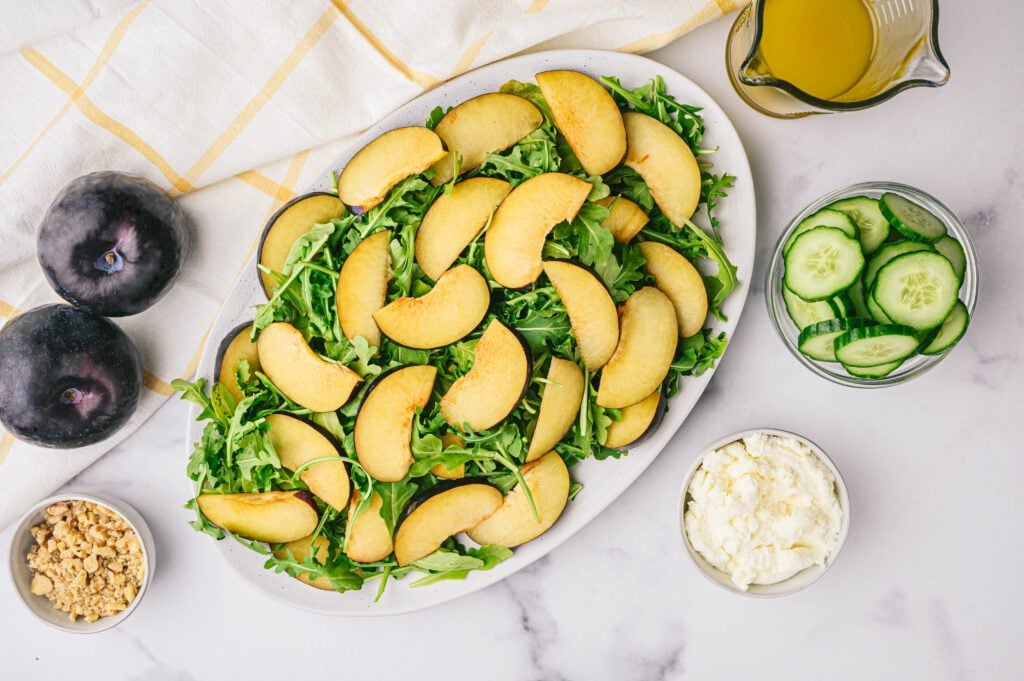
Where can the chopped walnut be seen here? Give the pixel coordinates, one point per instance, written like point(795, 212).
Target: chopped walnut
point(87, 560)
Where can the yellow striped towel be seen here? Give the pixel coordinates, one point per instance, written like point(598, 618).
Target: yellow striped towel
point(236, 105)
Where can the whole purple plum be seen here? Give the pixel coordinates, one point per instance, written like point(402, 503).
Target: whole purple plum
point(68, 377)
point(113, 244)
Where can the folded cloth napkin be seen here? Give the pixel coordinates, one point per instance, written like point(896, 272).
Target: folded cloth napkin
point(235, 105)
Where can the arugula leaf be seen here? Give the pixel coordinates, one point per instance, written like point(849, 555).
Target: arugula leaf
point(534, 154)
point(395, 497)
point(341, 575)
point(435, 116)
point(202, 523)
point(196, 393)
point(653, 99)
point(531, 93)
point(712, 188)
point(698, 353)
point(445, 564)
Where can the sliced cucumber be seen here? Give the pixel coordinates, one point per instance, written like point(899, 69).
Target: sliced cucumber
point(875, 312)
point(887, 253)
point(817, 341)
point(911, 220)
point(843, 306)
point(951, 331)
point(954, 252)
point(826, 217)
point(870, 346)
point(877, 371)
point(804, 313)
point(872, 227)
point(822, 263)
point(917, 289)
point(856, 296)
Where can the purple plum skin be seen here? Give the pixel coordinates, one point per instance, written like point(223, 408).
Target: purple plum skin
point(113, 244)
point(68, 377)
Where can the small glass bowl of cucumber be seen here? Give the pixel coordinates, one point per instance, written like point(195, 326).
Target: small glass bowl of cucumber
point(873, 284)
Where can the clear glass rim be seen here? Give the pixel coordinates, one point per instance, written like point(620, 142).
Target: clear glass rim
point(773, 278)
point(757, 8)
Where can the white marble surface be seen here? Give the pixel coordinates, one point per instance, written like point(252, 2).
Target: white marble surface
point(929, 585)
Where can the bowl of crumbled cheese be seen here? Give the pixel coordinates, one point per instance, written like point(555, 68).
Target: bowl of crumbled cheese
point(764, 512)
point(81, 562)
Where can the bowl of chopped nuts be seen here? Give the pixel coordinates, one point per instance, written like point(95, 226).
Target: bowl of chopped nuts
point(81, 562)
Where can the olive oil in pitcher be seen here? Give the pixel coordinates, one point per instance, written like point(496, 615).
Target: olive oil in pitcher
point(823, 47)
point(793, 58)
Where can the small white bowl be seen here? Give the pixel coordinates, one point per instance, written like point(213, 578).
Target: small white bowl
point(21, 575)
point(800, 580)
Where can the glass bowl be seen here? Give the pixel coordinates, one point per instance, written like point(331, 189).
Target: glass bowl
point(833, 371)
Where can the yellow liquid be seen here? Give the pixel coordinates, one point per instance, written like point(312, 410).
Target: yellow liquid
point(821, 46)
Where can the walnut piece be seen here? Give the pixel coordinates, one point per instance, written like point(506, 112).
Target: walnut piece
point(87, 560)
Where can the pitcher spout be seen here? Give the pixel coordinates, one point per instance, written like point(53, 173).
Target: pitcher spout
point(927, 65)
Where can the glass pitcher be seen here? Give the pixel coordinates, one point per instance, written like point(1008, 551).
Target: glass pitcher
point(903, 53)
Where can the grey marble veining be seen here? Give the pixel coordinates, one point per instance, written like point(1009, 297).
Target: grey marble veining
point(928, 586)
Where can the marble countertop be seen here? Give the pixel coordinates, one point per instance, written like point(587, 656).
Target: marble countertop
point(928, 586)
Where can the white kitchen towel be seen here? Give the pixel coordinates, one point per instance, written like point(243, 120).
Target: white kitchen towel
point(234, 105)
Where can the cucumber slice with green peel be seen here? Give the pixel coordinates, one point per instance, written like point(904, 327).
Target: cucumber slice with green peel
point(843, 306)
point(869, 346)
point(877, 371)
point(804, 313)
point(954, 252)
point(872, 227)
point(875, 312)
point(856, 296)
point(917, 289)
point(817, 341)
point(951, 331)
point(826, 217)
point(822, 263)
point(912, 220)
point(886, 253)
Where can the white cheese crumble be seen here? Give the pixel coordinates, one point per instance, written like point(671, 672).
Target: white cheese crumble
point(762, 509)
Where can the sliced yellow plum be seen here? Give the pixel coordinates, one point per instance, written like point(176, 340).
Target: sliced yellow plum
point(296, 443)
point(236, 346)
point(625, 219)
point(445, 314)
point(559, 406)
point(515, 239)
point(514, 524)
point(667, 165)
point(588, 117)
point(300, 550)
point(368, 537)
point(591, 310)
point(302, 375)
point(384, 423)
point(386, 161)
point(294, 219)
point(362, 287)
point(442, 471)
point(272, 517)
point(486, 123)
point(493, 387)
point(677, 278)
point(455, 220)
point(648, 336)
point(447, 512)
point(638, 420)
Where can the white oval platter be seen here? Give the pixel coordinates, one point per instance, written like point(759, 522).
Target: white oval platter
point(603, 481)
